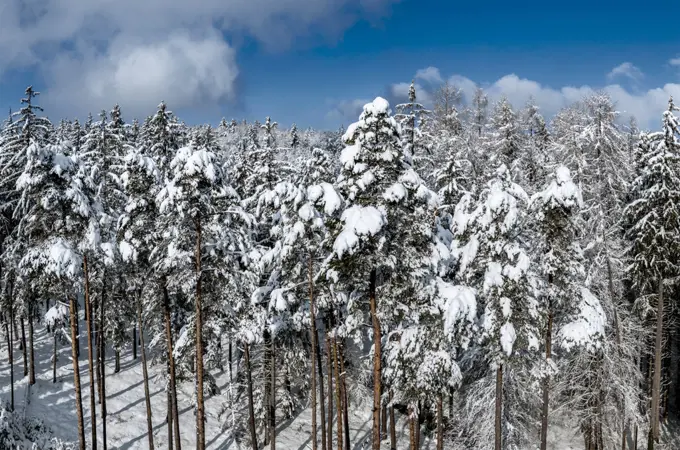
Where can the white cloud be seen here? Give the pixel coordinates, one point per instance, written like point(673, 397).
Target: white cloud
point(626, 69)
point(399, 92)
point(674, 61)
point(429, 75)
point(347, 111)
point(647, 106)
point(180, 70)
point(80, 46)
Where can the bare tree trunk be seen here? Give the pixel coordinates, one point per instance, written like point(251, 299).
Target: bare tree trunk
point(499, 407)
point(377, 355)
point(54, 358)
point(171, 364)
point(102, 359)
point(393, 430)
point(345, 397)
point(31, 375)
point(134, 343)
point(412, 428)
point(117, 361)
point(656, 386)
point(267, 382)
point(546, 384)
point(145, 373)
point(312, 313)
point(383, 418)
point(23, 345)
point(171, 420)
point(322, 397)
point(76, 375)
point(440, 422)
point(200, 405)
point(90, 363)
point(272, 399)
point(10, 353)
point(329, 371)
point(251, 408)
point(338, 393)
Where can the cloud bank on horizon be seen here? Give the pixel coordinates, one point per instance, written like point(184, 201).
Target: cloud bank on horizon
point(93, 54)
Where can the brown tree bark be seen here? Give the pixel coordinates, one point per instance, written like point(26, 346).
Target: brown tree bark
point(170, 419)
point(251, 408)
point(329, 372)
point(272, 398)
point(338, 392)
point(145, 372)
point(90, 363)
point(499, 408)
point(76, 375)
point(171, 363)
point(312, 314)
point(102, 359)
point(200, 405)
point(31, 374)
point(546, 384)
point(322, 395)
point(656, 382)
point(23, 345)
point(393, 429)
point(377, 355)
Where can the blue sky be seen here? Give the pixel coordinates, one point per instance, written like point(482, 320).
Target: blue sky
point(316, 62)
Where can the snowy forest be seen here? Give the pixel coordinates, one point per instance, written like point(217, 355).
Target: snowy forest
point(470, 276)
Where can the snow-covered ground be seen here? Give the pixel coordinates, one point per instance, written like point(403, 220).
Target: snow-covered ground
point(126, 422)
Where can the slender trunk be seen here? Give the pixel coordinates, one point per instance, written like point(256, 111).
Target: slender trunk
point(200, 406)
point(499, 407)
point(329, 372)
point(78, 327)
point(656, 387)
point(313, 331)
point(338, 392)
point(251, 408)
point(23, 345)
point(272, 399)
point(117, 358)
point(171, 364)
point(31, 375)
point(376, 363)
point(145, 373)
point(76, 375)
point(267, 382)
point(383, 419)
point(345, 397)
point(90, 363)
point(393, 430)
point(623, 435)
point(134, 343)
point(546, 385)
point(102, 359)
point(412, 428)
point(54, 358)
point(10, 352)
point(322, 398)
point(97, 348)
point(440, 420)
point(171, 419)
point(635, 438)
point(231, 372)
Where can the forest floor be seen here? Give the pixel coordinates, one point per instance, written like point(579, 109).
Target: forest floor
point(54, 403)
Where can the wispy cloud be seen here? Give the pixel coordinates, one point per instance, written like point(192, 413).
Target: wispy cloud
point(626, 69)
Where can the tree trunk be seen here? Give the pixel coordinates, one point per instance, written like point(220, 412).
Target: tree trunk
point(171, 364)
point(329, 372)
point(412, 428)
point(102, 359)
point(546, 385)
point(77, 328)
point(383, 419)
point(76, 375)
point(200, 406)
point(134, 343)
point(145, 372)
point(267, 382)
point(23, 345)
point(31, 375)
point(272, 399)
point(322, 398)
point(90, 363)
point(499, 407)
point(10, 353)
point(251, 408)
point(117, 358)
point(656, 386)
point(345, 399)
point(171, 420)
point(440, 422)
point(376, 363)
point(312, 313)
point(393, 430)
point(54, 358)
point(338, 392)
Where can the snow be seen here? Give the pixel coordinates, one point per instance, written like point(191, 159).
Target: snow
point(560, 192)
point(56, 314)
point(358, 221)
point(588, 328)
point(327, 195)
point(127, 251)
point(493, 276)
point(377, 106)
point(395, 193)
point(460, 304)
point(508, 337)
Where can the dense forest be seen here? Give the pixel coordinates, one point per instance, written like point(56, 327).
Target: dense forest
point(476, 271)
